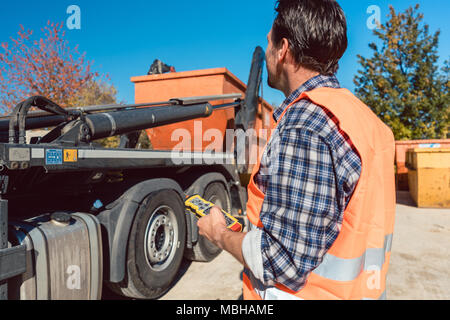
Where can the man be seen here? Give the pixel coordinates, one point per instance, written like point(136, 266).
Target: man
point(322, 199)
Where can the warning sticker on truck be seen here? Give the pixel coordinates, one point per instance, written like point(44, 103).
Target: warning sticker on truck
point(70, 155)
point(53, 157)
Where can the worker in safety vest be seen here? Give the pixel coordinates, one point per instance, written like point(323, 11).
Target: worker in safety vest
point(322, 197)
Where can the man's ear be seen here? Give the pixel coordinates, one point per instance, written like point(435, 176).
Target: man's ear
point(283, 51)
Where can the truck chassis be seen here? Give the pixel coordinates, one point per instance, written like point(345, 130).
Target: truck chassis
point(135, 198)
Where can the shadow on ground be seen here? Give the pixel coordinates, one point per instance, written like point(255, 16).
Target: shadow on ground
point(108, 294)
point(404, 198)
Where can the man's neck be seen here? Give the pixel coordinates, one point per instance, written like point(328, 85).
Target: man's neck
point(296, 79)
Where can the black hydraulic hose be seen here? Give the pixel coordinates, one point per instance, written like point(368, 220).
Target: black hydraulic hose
point(13, 123)
point(41, 103)
point(19, 114)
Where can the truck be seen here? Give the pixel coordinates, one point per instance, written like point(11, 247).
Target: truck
point(75, 216)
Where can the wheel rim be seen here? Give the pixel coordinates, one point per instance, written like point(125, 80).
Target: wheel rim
point(161, 238)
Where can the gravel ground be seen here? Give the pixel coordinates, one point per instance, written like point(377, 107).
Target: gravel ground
point(420, 262)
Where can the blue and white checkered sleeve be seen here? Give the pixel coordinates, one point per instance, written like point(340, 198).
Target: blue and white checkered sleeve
point(300, 212)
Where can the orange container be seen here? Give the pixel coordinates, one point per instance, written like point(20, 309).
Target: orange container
point(402, 147)
point(163, 87)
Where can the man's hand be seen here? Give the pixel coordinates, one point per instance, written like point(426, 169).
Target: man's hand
point(213, 226)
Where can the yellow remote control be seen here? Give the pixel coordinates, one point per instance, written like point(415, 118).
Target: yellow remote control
point(200, 208)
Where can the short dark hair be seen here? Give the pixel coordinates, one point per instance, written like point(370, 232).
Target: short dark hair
point(316, 31)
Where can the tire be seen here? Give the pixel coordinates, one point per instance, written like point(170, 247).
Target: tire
point(155, 247)
point(204, 250)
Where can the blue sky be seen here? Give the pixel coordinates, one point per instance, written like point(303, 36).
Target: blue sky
point(124, 37)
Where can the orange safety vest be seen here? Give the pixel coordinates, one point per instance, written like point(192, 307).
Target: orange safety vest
point(356, 266)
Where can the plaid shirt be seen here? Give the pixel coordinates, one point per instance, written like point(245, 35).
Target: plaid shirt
point(308, 173)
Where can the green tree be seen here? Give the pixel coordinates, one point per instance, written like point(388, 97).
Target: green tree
point(402, 81)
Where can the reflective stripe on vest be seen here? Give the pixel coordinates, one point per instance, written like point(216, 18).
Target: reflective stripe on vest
point(274, 294)
point(333, 268)
point(338, 269)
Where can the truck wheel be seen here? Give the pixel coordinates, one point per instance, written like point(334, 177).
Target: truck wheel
point(204, 250)
point(155, 247)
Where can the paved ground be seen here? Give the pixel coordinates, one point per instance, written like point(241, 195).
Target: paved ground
point(220, 279)
point(420, 262)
